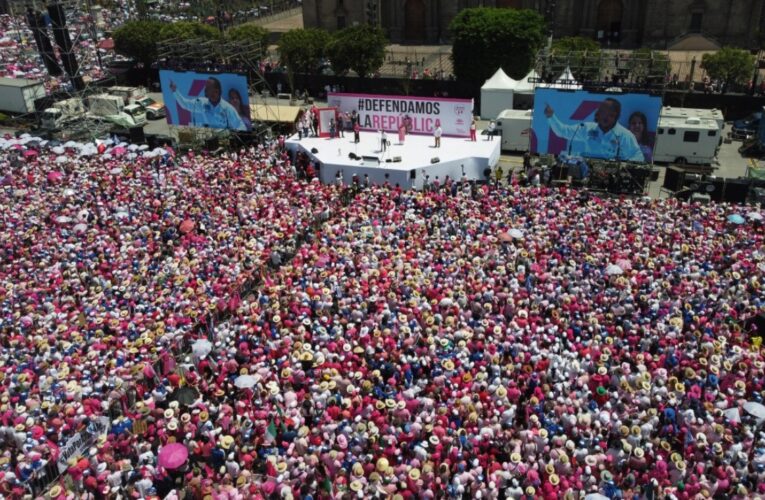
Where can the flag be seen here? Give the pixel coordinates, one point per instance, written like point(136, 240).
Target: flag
point(271, 431)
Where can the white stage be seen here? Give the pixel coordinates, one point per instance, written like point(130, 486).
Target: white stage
point(456, 156)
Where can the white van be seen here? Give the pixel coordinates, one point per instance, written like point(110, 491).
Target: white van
point(687, 140)
point(703, 114)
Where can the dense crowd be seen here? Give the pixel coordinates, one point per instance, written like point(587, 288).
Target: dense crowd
point(484, 342)
point(19, 56)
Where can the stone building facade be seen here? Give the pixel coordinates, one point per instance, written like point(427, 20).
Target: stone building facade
point(616, 23)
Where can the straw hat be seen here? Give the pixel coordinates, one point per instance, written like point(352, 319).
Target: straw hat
point(414, 474)
point(554, 479)
point(55, 491)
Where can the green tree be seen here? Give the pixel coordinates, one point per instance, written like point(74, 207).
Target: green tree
point(187, 30)
point(137, 40)
point(249, 31)
point(581, 54)
point(301, 50)
point(359, 48)
point(730, 65)
point(647, 64)
point(488, 38)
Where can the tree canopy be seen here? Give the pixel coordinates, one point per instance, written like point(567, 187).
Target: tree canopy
point(581, 54)
point(302, 50)
point(488, 38)
point(359, 48)
point(249, 31)
point(729, 64)
point(138, 40)
point(187, 30)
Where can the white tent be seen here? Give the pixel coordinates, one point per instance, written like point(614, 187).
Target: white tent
point(497, 95)
point(524, 86)
point(566, 80)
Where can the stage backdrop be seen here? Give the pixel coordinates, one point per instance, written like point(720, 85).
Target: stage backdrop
point(421, 115)
point(597, 125)
point(188, 97)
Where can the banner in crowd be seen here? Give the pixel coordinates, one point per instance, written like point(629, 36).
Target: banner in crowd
point(611, 126)
point(82, 441)
point(206, 100)
point(420, 115)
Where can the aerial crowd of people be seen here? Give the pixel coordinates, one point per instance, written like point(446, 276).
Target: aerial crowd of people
point(291, 339)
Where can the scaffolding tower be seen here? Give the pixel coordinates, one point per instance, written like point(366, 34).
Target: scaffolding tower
point(604, 69)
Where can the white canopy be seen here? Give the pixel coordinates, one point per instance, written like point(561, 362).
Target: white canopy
point(499, 81)
point(567, 80)
point(497, 95)
point(524, 86)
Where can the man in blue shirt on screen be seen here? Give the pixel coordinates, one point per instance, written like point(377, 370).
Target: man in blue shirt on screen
point(211, 110)
point(604, 138)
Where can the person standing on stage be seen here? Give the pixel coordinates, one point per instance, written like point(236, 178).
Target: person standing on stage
point(356, 130)
point(437, 134)
point(383, 141)
point(472, 130)
point(491, 129)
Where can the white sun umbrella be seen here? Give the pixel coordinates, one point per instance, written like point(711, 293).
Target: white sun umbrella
point(116, 170)
point(755, 409)
point(132, 156)
point(62, 159)
point(245, 381)
point(59, 150)
point(71, 144)
point(596, 496)
point(63, 219)
point(516, 233)
point(68, 192)
point(107, 156)
point(132, 147)
point(25, 135)
point(80, 228)
point(754, 216)
point(732, 414)
point(143, 147)
point(122, 215)
point(614, 270)
point(201, 347)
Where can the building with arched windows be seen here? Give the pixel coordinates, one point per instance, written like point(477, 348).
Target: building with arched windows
point(616, 23)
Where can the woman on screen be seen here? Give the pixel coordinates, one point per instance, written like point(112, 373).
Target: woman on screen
point(235, 99)
point(638, 125)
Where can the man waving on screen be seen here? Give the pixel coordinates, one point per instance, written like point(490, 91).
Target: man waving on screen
point(211, 110)
point(604, 138)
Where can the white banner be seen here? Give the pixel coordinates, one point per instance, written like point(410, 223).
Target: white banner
point(420, 115)
point(79, 443)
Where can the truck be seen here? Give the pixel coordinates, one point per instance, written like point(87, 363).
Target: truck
point(62, 113)
point(112, 108)
point(17, 95)
point(514, 125)
point(154, 110)
point(687, 140)
point(704, 114)
point(747, 127)
point(754, 145)
point(105, 104)
point(128, 94)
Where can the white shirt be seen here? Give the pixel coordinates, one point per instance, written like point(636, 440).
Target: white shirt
point(438, 132)
point(589, 140)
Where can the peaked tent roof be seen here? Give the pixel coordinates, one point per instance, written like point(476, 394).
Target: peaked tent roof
point(499, 81)
point(566, 78)
point(524, 85)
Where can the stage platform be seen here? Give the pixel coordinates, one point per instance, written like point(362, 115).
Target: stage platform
point(456, 156)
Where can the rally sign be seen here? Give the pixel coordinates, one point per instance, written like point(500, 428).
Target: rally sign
point(77, 444)
point(420, 115)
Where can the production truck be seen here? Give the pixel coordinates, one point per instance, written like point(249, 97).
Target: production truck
point(687, 140)
point(17, 95)
point(514, 125)
point(112, 108)
point(61, 114)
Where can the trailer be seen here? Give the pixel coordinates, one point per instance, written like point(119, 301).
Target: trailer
point(17, 95)
point(514, 125)
point(703, 114)
point(690, 140)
